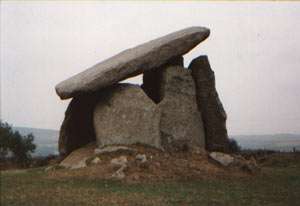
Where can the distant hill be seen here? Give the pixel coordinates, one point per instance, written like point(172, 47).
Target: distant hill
point(280, 142)
point(45, 139)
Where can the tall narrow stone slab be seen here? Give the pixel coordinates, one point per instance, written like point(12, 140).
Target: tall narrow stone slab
point(132, 62)
point(213, 113)
point(181, 124)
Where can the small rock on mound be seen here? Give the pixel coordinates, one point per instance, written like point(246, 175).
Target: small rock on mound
point(235, 161)
point(222, 158)
point(77, 159)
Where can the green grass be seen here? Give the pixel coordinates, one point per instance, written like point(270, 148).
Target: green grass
point(276, 185)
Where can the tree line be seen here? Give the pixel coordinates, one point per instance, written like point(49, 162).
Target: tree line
point(14, 146)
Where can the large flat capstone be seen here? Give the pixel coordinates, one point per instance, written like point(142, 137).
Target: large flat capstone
point(132, 62)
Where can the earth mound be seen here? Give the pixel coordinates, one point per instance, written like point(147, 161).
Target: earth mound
point(141, 163)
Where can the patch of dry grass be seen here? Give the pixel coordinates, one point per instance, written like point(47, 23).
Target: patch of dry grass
point(277, 184)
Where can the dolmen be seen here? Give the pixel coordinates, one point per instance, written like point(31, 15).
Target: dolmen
point(175, 109)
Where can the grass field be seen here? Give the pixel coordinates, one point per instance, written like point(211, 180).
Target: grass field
point(277, 184)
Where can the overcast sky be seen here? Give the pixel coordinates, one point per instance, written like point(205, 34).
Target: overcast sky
point(254, 49)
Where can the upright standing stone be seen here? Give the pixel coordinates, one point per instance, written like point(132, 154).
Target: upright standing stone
point(77, 127)
point(152, 79)
point(125, 115)
point(213, 113)
point(181, 124)
point(132, 62)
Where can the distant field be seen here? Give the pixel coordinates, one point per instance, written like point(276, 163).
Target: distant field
point(278, 142)
point(47, 141)
point(278, 184)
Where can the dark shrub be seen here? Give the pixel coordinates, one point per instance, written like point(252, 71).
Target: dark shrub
point(234, 146)
point(14, 144)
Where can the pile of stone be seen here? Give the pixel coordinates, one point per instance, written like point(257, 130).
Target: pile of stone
point(175, 109)
point(235, 160)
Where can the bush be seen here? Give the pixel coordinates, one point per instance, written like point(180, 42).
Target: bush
point(12, 142)
point(234, 147)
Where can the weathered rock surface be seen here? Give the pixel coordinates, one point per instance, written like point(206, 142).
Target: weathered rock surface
point(125, 115)
point(77, 159)
point(119, 161)
point(113, 148)
point(141, 157)
point(152, 79)
point(250, 165)
point(77, 128)
point(120, 174)
point(122, 163)
point(181, 125)
point(132, 62)
point(96, 160)
point(235, 161)
point(222, 158)
point(213, 113)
